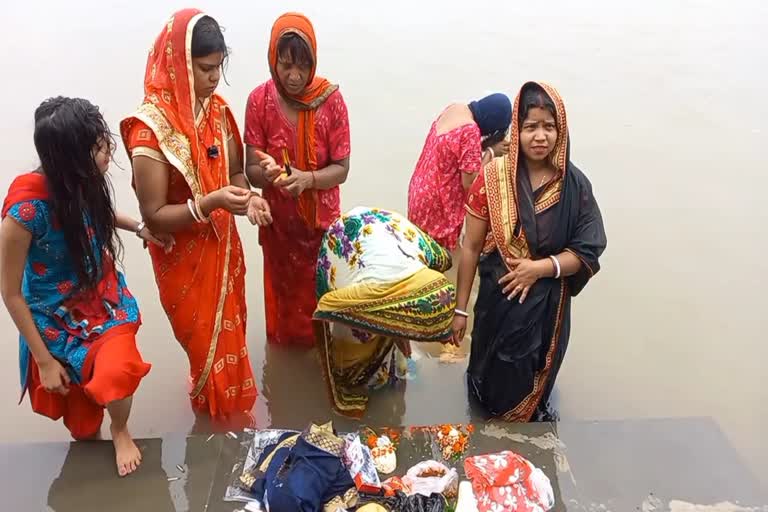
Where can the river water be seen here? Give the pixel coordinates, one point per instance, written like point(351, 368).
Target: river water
point(666, 110)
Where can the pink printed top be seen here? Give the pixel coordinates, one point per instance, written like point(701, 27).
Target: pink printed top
point(436, 195)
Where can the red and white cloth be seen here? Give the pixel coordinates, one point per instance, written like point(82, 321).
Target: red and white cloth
point(507, 482)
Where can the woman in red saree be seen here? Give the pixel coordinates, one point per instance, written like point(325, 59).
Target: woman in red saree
point(187, 163)
point(304, 117)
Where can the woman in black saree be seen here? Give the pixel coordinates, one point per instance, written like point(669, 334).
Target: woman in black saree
point(536, 230)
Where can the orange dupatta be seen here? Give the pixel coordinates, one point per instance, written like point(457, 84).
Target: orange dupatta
point(314, 94)
point(201, 281)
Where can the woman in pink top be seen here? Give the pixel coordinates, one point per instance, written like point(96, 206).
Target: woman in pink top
point(303, 117)
point(461, 141)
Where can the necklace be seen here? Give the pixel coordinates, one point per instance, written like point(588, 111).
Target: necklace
point(205, 114)
point(543, 179)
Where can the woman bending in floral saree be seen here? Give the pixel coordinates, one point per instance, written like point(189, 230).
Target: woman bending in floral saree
point(380, 284)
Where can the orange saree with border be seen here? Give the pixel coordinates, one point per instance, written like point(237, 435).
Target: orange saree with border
point(202, 280)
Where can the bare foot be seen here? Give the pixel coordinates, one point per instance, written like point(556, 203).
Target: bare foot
point(127, 454)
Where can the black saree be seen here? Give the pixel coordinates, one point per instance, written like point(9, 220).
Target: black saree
point(517, 349)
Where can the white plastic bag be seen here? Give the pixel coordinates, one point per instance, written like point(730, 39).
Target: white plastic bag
point(467, 501)
point(430, 476)
point(253, 506)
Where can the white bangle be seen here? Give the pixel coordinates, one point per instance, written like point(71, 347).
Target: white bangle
point(191, 207)
point(140, 228)
point(200, 214)
point(461, 313)
point(556, 263)
point(493, 153)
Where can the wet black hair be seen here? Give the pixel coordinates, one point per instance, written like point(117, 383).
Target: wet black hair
point(534, 96)
point(67, 133)
point(294, 45)
point(208, 38)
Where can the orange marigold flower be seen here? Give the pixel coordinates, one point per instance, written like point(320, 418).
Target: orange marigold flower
point(470, 428)
point(372, 440)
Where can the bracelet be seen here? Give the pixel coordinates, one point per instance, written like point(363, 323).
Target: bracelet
point(313, 180)
point(191, 207)
point(556, 263)
point(140, 228)
point(493, 153)
point(461, 313)
point(199, 210)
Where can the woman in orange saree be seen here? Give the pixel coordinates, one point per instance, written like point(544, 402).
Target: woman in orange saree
point(303, 117)
point(187, 166)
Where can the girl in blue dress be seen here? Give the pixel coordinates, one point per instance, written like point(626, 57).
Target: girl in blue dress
point(77, 320)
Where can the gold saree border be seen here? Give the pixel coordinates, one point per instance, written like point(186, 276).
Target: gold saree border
point(217, 325)
point(324, 341)
point(174, 145)
point(149, 153)
point(501, 184)
point(190, 72)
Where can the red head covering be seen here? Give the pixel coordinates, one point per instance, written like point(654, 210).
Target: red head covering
point(168, 79)
point(169, 110)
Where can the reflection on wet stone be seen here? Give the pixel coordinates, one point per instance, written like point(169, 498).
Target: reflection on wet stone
point(88, 476)
point(548, 441)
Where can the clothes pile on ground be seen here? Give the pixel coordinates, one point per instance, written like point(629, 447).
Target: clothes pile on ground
point(318, 470)
point(507, 481)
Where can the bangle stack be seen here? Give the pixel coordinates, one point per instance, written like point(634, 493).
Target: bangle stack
point(196, 211)
point(556, 264)
point(191, 207)
point(199, 210)
point(461, 312)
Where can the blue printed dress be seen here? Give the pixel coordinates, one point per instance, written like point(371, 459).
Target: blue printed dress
point(67, 321)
